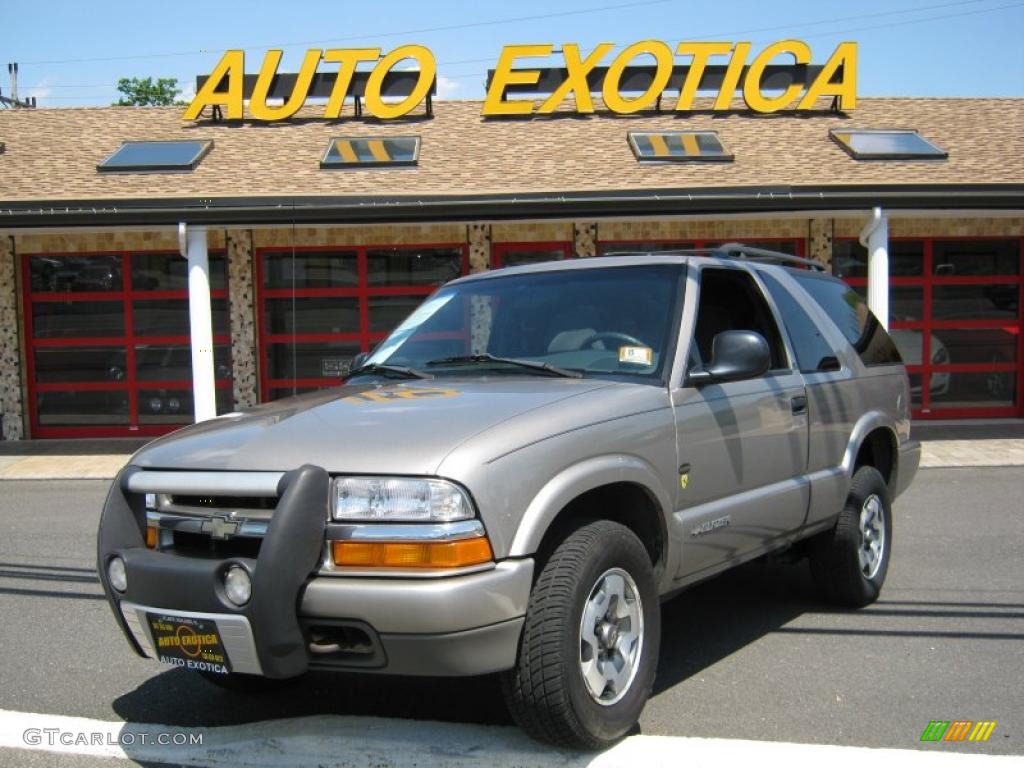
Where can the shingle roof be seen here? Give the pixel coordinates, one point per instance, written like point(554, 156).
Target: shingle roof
point(51, 154)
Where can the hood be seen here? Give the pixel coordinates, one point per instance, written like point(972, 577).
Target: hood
point(405, 427)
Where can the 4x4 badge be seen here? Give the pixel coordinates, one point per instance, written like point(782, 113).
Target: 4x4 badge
point(219, 527)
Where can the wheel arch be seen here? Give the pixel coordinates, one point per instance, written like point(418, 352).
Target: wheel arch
point(624, 489)
point(874, 443)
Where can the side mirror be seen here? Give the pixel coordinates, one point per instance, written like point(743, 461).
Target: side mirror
point(735, 355)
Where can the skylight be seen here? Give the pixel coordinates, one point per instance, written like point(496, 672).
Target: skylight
point(886, 144)
point(157, 156)
point(676, 146)
point(361, 152)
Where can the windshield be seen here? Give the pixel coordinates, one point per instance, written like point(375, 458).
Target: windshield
point(613, 322)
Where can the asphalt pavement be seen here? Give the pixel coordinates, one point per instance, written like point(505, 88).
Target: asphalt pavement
point(752, 655)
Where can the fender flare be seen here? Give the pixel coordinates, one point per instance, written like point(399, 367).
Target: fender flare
point(577, 479)
point(867, 424)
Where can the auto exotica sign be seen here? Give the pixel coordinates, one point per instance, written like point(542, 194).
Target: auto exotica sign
point(626, 82)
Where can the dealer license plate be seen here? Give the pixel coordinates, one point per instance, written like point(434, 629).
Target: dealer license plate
point(183, 641)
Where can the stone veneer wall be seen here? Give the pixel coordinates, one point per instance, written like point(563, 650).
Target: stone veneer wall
point(819, 242)
point(585, 238)
point(939, 227)
point(241, 293)
point(479, 238)
point(689, 229)
point(11, 403)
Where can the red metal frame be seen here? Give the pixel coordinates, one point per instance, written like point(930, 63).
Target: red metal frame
point(126, 295)
point(363, 292)
point(498, 250)
point(801, 242)
point(926, 281)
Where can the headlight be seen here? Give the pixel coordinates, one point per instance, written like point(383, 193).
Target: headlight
point(399, 499)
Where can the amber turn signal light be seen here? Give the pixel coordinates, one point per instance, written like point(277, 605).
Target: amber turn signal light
point(411, 554)
point(152, 536)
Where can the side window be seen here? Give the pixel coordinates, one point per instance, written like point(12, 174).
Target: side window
point(730, 300)
point(852, 316)
point(813, 352)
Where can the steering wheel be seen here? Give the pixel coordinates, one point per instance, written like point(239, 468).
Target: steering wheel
point(612, 336)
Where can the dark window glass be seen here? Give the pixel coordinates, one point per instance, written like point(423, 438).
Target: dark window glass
point(995, 389)
point(169, 271)
point(64, 364)
point(520, 256)
point(678, 146)
point(169, 317)
point(176, 406)
point(615, 249)
point(79, 274)
point(278, 393)
point(852, 316)
point(906, 302)
point(156, 156)
point(885, 145)
point(304, 269)
point(86, 408)
point(70, 319)
point(813, 352)
point(371, 151)
point(975, 257)
point(974, 345)
point(975, 302)
point(310, 360)
point(173, 362)
point(413, 266)
point(850, 258)
point(386, 312)
point(730, 300)
point(312, 315)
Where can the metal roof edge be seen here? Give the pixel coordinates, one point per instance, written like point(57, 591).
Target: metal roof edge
point(288, 209)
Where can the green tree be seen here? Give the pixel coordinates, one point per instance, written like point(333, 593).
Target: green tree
point(143, 92)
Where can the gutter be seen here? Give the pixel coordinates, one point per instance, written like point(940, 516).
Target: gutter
point(309, 209)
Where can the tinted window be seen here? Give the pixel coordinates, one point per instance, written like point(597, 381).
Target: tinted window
point(852, 316)
point(731, 301)
point(813, 352)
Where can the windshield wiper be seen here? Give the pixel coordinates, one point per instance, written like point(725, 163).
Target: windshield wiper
point(384, 369)
point(533, 365)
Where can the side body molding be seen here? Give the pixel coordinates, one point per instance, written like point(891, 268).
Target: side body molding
point(578, 479)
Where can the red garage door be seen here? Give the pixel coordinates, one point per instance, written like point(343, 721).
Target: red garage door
point(955, 314)
point(108, 343)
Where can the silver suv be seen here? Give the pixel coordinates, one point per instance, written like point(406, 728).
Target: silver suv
point(517, 477)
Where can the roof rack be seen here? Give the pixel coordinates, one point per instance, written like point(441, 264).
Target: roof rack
point(741, 251)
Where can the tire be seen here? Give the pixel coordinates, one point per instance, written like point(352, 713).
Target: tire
point(599, 566)
point(846, 565)
point(237, 682)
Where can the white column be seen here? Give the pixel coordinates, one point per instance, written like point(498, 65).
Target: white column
point(875, 237)
point(193, 242)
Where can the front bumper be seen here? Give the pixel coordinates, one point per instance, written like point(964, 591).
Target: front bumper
point(455, 625)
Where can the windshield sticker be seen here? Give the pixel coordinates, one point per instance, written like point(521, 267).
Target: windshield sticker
point(636, 355)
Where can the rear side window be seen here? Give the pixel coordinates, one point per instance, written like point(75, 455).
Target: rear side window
point(813, 352)
point(852, 316)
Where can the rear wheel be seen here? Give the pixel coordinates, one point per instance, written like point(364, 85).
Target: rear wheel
point(589, 649)
point(850, 562)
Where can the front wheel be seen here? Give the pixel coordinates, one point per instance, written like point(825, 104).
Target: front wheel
point(849, 562)
point(589, 649)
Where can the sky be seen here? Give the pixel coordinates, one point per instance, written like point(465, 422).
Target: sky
point(71, 53)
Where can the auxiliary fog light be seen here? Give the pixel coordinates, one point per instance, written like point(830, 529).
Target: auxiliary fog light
point(117, 574)
point(237, 585)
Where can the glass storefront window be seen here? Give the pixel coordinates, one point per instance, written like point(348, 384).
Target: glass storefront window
point(169, 317)
point(173, 362)
point(63, 364)
point(962, 258)
point(308, 269)
point(310, 360)
point(990, 389)
point(974, 302)
point(413, 266)
point(172, 406)
point(86, 408)
point(169, 271)
point(312, 314)
point(850, 258)
point(71, 319)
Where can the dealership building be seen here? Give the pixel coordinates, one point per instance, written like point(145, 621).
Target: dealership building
point(321, 235)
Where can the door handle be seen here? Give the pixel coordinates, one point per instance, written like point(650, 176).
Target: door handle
point(799, 404)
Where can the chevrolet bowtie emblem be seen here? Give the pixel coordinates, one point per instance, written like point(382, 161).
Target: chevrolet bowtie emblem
point(219, 527)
